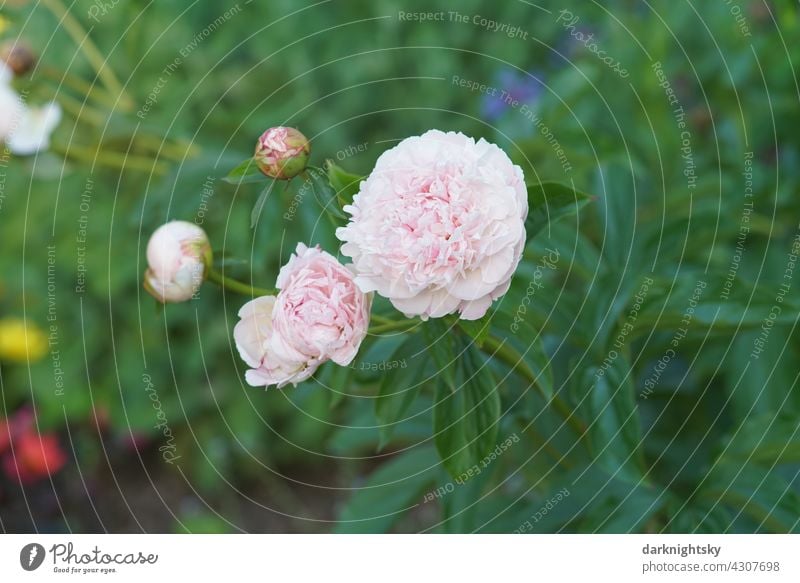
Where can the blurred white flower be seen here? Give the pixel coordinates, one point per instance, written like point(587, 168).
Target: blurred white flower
point(25, 130)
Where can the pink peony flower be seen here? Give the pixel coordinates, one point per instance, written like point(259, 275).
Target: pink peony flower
point(318, 315)
point(438, 226)
point(282, 153)
point(178, 254)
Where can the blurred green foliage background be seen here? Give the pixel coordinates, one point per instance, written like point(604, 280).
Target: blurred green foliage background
point(712, 445)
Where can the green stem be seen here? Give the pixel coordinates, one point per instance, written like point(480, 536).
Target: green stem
point(109, 158)
point(97, 92)
point(178, 151)
point(237, 286)
point(381, 319)
point(392, 325)
point(90, 51)
point(81, 111)
point(501, 350)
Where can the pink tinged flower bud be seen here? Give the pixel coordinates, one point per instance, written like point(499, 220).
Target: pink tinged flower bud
point(282, 153)
point(318, 315)
point(439, 226)
point(178, 255)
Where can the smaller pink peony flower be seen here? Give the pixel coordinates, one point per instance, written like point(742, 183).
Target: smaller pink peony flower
point(282, 153)
point(178, 254)
point(318, 315)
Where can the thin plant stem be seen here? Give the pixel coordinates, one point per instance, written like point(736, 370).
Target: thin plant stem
point(109, 158)
point(401, 325)
point(79, 35)
point(237, 286)
point(96, 92)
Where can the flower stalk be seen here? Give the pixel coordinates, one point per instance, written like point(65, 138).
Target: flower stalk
point(79, 35)
point(236, 286)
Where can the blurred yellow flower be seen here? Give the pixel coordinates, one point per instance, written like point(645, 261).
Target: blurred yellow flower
point(20, 341)
point(4, 24)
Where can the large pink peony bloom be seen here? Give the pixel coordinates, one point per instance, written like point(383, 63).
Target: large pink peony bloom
point(319, 314)
point(439, 225)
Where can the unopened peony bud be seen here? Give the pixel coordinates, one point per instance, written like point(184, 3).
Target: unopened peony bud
point(18, 57)
point(178, 256)
point(282, 153)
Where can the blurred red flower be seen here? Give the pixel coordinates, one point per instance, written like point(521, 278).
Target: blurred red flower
point(34, 457)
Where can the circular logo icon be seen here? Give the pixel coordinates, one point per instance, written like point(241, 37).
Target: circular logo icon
point(31, 556)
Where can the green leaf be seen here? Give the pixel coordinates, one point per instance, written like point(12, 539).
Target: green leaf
point(622, 191)
point(465, 418)
point(478, 330)
point(762, 495)
point(605, 396)
point(586, 499)
point(519, 335)
point(766, 439)
point(742, 307)
point(344, 183)
point(400, 386)
point(259, 206)
point(550, 201)
point(439, 337)
point(246, 172)
point(326, 195)
point(389, 492)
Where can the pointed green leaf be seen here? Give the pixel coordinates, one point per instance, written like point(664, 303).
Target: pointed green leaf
point(549, 201)
point(346, 184)
point(389, 492)
point(246, 172)
point(400, 386)
point(259, 206)
point(465, 420)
